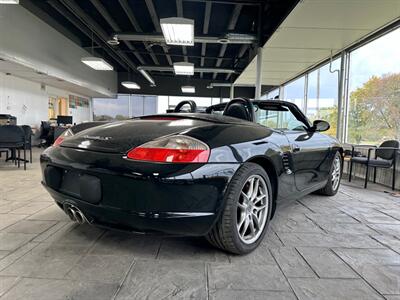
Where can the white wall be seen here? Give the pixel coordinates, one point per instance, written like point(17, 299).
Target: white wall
point(26, 40)
point(29, 103)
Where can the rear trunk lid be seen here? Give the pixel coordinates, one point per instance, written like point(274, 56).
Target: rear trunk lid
point(120, 137)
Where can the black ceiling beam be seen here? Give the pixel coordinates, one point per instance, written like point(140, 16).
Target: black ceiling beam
point(128, 11)
point(231, 26)
point(96, 28)
point(156, 23)
point(84, 29)
point(105, 14)
point(242, 2)
point(206, 24)
point(242, 51)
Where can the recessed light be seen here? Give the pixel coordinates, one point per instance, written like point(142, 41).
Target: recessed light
point(97, 63)
point(188, 89)
point(183, 68)
point(178, 31)
point(9, 1)
point(130, 85)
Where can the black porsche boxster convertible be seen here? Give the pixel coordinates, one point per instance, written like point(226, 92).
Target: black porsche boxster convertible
point(204, 174)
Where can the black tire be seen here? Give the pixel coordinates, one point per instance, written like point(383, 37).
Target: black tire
point(329, 190)
point(224, 234)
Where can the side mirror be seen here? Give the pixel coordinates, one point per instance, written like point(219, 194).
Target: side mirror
point(320, 125)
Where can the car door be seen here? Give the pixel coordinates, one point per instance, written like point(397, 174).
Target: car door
point(309, 150)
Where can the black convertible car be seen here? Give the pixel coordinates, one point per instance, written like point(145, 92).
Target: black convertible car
point(204, 174)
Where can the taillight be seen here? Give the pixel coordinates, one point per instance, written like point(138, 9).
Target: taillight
point(173, 149)
point(67, 133)
point(58, 141)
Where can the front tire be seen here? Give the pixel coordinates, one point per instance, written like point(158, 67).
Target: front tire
point(244, 220)
point(335, 174)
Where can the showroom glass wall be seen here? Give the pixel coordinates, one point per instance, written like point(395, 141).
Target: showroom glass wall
point(374, 91)
point(371, 103)
point(127, 106)
point(123, 107)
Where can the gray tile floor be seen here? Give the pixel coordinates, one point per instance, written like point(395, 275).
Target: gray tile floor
point(342, 247)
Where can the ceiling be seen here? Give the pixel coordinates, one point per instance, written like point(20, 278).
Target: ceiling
point(24, 72)
point(314, 30)
point(91, 23)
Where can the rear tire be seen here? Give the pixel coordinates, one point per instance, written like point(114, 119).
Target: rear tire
point(335, 175)
point(248, 205)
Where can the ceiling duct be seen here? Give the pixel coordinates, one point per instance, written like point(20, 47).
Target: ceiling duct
point(229, 38)
point(171, 69)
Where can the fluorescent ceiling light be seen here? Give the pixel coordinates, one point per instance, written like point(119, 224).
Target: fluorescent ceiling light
point(178, 31)
point(188, 89)
point(130, 85)
point(9, 1)
point(148, 77)
point(183, 68)
point(97, 63)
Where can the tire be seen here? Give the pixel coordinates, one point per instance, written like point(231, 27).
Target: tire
point(239, 209)
point(330, 188)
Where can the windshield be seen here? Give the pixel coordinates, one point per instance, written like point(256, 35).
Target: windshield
point(278, 117)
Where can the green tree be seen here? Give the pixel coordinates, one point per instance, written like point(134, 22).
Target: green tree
point(374, 113)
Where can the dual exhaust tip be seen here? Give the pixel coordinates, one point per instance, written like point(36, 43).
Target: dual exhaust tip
point(75, 214)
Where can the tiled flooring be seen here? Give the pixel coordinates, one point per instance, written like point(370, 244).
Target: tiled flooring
point(342, 247)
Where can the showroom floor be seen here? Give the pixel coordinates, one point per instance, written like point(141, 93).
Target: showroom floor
point(343, 247)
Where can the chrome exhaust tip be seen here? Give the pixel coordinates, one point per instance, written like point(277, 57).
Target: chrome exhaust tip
point(70, 213)
point(79, 217)
point(75, 214)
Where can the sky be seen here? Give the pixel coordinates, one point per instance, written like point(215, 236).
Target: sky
point(379, 57)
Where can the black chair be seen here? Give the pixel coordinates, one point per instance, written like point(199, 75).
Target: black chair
point(28, 139)
point(45, 134)
point(385, 157)
point(13, 137)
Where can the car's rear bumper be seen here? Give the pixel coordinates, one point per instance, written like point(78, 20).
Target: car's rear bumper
point(183, 200)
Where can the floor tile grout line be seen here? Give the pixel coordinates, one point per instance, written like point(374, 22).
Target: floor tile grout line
point(84, 254)
point(361, 277)
point(302, 204)
point(158, 250)
point(387, 246)
point(316, 224)
point(389, 216)
point(24, 219)
point(20, 257)
point(305, 260)
point(123, 280)
point(287, 279)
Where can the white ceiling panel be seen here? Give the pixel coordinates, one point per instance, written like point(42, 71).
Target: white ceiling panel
point(313, 30)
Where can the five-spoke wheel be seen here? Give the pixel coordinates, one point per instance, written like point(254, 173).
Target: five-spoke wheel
point(252, 209)
point(248, 203)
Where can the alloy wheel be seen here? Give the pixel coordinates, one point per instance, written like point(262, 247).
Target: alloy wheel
point(252, 209)
point(336, 172)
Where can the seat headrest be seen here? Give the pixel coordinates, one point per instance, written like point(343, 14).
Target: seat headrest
point(237, 110)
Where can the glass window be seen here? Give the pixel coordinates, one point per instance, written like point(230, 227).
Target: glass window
point(294, 92)
point(274, 94)
point(106, 109)
point(374, 91)
point(322, 95)
point(278, 117)
point(201, 102)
